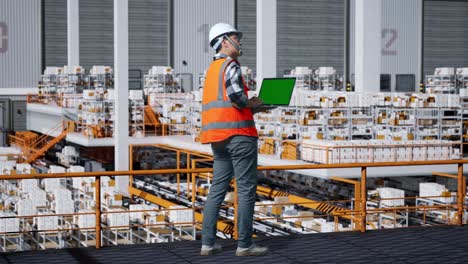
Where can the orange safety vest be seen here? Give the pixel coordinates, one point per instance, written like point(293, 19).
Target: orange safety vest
point(220, 119)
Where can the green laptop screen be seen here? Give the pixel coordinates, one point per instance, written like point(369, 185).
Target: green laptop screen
point(277, 91)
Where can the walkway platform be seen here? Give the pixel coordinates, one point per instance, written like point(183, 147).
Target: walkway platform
point(448, 244)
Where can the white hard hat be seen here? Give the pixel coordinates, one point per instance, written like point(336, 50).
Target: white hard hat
point(221, 29)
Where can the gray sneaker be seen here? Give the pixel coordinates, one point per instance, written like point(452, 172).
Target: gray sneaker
point(253, 250)
point(211, 250)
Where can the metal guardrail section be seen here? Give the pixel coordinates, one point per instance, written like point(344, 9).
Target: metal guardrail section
point(359, 213)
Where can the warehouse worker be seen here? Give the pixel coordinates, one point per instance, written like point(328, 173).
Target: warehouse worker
point(228, 125)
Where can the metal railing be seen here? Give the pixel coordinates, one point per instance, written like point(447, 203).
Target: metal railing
point(358, 214)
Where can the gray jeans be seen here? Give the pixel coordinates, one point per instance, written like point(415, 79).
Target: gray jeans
point(234, 156)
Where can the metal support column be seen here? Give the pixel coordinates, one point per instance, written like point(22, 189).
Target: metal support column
point(98, 211)
point(368, 45)
point(73, 32)
point(266, 39)
point(121, 89)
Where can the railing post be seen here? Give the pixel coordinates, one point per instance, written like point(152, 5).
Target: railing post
point(363, 198)
point(97, 186)
point(130, 166)
point(236, 234)
point(188, 174)
point(357, 205)
point(194, 193)
point(460, 192)
point(178, 174)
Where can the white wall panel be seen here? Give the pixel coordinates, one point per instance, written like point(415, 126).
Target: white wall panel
point(310, 33)
point(192, 23)
point(445, 34)
point(20, 43)
point(401, 23)
point(247, 23)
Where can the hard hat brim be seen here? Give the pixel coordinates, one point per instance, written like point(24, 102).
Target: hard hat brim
point(239, 34)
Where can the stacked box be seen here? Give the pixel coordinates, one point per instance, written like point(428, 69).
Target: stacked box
point(435, 189)
point(86, 221)
point(290, 150)
point(51, 184)
point(389, 193)
point(9, 224)
point(23, 168)
point(38, 197)
point(180, 216)
point(28, 185)
point(376, 151)
point(267, 146)
point(140, 216)
point(63, 201)
point(25, 207)
point(118, 219)
point(46, 222)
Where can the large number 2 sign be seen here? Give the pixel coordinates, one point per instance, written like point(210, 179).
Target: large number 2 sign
point(3, 37)
point(389, 36)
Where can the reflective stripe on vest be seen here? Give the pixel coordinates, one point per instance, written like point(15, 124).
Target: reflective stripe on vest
point(216, 104)
point(228, 125)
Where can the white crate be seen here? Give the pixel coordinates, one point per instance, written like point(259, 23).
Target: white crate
point(38, 197)
point(64, 206)
point(434, 189)
point(135, 94)
point(86, 221)
point(23, 168)
point(118, 219)
point(29, 185)
point(139, 216)
point(160, 70)
point(53, 70)
point(444, 71)
point(90, 94)
point(25, 207)
point(76, 169)
point(95, 70)
point(51, 184)
point(69, 151)
point(462, 71)
point(46, 222)
point(389, 193)
point(62, 193)
point(9, 224)
point(180, 216)
point(73, 69)
point(430, 189)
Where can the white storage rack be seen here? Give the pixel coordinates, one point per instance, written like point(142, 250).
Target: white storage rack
point(397, 219)
point(137, 113)
point(71, 83)
point(49, 83)
point(160, 79)
point(445, 197)
point(443, 81)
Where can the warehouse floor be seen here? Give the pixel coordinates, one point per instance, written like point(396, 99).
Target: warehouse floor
point(412, 245)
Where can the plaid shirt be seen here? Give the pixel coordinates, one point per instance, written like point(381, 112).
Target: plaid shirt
point(234, 84)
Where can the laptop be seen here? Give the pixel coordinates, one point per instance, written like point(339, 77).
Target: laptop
point(277, 91)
